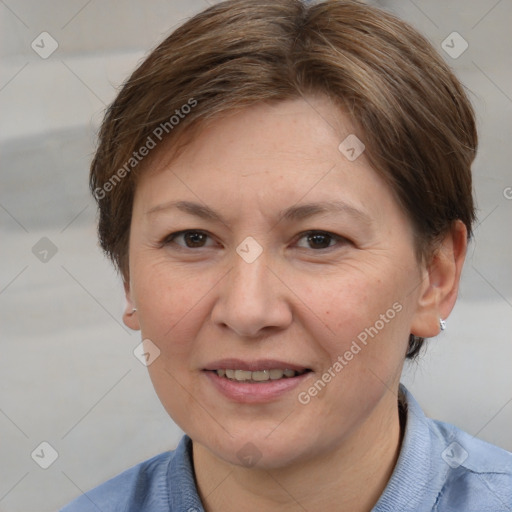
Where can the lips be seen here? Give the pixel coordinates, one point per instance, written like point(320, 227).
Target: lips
point(255, 381)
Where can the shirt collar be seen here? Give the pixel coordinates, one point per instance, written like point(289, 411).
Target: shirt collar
point(183, 495)
point(416, 480)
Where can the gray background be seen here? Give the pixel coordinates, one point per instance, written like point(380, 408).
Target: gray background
point(69, 376)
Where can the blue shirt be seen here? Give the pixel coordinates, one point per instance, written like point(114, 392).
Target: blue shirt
point(440, 469)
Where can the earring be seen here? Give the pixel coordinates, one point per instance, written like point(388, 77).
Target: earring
point(442, 324)
point(133, 311)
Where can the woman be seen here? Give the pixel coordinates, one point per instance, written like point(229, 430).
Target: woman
point(286, 191)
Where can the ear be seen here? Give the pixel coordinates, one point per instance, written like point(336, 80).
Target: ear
point(130, 315)
point(440, 283)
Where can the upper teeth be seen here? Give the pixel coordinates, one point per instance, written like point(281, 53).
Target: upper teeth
point(259, 375)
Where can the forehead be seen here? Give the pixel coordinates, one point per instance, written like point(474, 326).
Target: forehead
point(268, 156)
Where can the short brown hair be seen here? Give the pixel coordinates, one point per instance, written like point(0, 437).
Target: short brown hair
point(418, 124)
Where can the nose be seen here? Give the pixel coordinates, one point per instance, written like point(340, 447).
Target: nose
point(252, 300)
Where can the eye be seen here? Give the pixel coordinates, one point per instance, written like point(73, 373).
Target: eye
point(195, 239)
point(320, 240)
point(190, 239)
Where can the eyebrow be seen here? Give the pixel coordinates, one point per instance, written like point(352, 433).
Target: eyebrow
point(293, 213)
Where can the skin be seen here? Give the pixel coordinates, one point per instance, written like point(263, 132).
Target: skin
point(298, 302)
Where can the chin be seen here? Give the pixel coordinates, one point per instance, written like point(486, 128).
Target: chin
point(261, 448)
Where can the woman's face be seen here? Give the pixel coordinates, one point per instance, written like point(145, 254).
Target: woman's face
point(264, 248)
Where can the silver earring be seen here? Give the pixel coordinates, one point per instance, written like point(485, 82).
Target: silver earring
point(442, 324)
point(133, 311)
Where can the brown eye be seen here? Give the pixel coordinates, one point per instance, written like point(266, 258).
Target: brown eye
point(188, 239)
point(319, 240)
point(195, 239)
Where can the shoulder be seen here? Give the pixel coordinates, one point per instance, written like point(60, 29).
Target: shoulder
point(441, 468)
point(142, 487)
point(478, 475)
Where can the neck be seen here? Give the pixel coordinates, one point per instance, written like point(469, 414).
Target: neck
point(351, 477)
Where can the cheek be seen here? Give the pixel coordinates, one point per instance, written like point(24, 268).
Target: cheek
point(359, 316)
point(173, 305)
point(344, 302)
point(171, 301)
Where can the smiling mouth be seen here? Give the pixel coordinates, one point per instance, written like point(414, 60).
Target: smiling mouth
point(259, 375)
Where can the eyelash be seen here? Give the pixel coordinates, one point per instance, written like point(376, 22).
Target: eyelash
point(337, 238)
